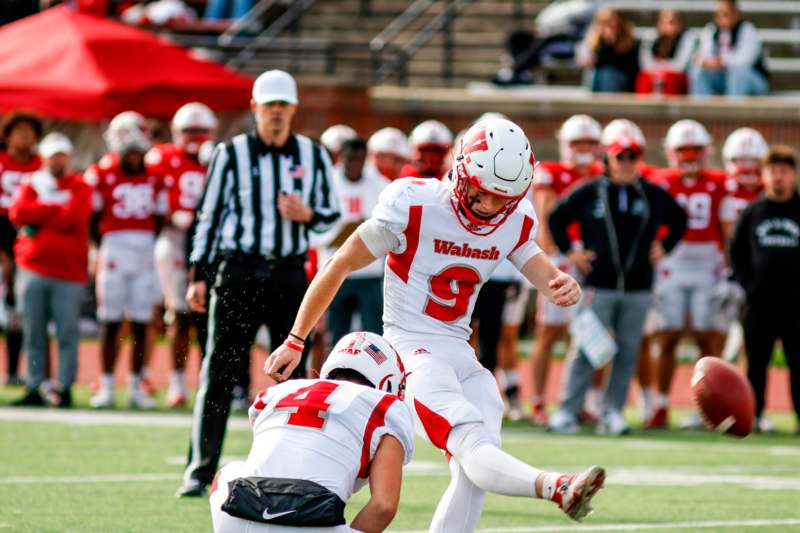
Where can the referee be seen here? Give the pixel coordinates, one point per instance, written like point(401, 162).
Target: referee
point(265, 191)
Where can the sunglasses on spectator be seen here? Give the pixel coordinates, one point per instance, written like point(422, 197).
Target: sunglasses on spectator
point(627, 155)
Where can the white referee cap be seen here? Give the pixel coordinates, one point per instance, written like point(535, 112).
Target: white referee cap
point(55, 143)
point(274, 86)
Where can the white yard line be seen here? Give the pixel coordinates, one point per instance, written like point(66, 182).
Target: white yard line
point(103, 478)
point(635, 527)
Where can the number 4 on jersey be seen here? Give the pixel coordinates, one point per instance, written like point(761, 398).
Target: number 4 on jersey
point(309, 403)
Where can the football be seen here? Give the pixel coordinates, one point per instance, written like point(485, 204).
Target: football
point(724, 396)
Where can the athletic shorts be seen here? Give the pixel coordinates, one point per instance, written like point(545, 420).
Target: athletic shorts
point(446, 386)
point(126, 278)
point(170, 258)
point(517, 296)
point(225, 523)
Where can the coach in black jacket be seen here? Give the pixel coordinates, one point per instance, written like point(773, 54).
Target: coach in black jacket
point(765, 256)
point(266, 190)
point(619, 217)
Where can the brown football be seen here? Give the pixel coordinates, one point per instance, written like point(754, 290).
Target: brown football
point(724, 396)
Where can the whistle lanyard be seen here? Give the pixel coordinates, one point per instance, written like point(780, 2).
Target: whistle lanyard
point(622, 267)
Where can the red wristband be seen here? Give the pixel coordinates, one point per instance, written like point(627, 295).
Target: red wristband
point(294, 345)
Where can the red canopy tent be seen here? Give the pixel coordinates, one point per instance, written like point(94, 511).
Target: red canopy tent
point(68, 65)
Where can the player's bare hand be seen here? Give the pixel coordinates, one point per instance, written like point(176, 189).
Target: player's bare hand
point(657, 252)
point(281, 362)
point(582, 259)
point(565, 290)
point(196, 296)
point(292, 208)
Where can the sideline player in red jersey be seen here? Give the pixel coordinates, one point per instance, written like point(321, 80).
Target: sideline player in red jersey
point(579, 149)
point(126, 198)
point(444, 239)
point(430, 142)
point(350, 427)
point(17, 162)
point(184, 176)
point(686, 277)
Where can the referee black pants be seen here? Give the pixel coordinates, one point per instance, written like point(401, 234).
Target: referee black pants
point(764, 323)
point(247, 293)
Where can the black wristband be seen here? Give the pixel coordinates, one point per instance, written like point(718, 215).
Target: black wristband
point(298, 337)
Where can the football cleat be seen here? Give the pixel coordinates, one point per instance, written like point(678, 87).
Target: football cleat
point(191, 489)
point(539, 414)
point(613, 423)
point(659, 420)
point(765, 425)
point(693, 421)
point(562, 422)
point(574, 493)
point(175, 399)
point(102, 399)
point(139, 399)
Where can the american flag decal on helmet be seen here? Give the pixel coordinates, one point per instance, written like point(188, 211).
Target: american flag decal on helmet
point(377, 355)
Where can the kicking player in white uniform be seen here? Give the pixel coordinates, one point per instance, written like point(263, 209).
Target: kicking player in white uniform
point(444, 239)
point(317, 441)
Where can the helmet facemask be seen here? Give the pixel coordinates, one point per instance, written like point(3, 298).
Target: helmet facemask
point(465, 188)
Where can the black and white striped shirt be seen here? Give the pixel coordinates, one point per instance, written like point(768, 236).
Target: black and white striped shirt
point(239, 208)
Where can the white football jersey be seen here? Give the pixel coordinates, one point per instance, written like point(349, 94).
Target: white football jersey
point(324, 431)
point(435, 273)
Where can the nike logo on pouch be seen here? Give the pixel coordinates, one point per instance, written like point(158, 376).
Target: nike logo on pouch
point(269, 516)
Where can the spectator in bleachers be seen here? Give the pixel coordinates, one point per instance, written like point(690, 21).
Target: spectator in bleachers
point(611, 51)
point(665, 61)
point(731, 56)
point(765, 256)
point(18, 161)
point(227, 9)
point(52, 210)
point(358, 188)
point(558, 28)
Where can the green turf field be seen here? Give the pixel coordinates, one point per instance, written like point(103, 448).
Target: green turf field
point(82, 471)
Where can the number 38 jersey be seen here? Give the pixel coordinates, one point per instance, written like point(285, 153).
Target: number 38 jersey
point(324, 431)
point(127, 203)
point(434, 274)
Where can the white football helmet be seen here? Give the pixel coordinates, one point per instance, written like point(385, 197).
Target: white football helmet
point(431, 133)
point(370, 355)
point(333, 137)
point(127, 133)
point(579, 128)
point(687, 146)
point(623, 134)
point(495, 157)
point(389, 141)
point(743, 153)
point(193, 124)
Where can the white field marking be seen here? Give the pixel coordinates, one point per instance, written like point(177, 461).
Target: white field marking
point(102, 478)
point(634, 527)
point(640, 477)
point(109, 418)
point(180, 460)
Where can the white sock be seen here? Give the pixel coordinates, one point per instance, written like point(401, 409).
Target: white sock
point(537, 400)
point(136, 382)
point(662, 400)
point(178, 381)
point(511, 377)
point(489, 467)
point(549, 485)
point(107, 381)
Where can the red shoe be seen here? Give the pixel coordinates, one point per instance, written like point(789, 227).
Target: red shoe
point(539, 415)
point(587, 417)
point(659, 419)
point(148, 387)
point(574, 492)
point(175, 399)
